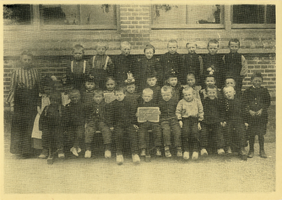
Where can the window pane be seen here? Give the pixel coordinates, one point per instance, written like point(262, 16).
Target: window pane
point(169, 14)
point(248, 14)
point(270, 14)
point(98, 14)
point(204, 14)
point(17, 14)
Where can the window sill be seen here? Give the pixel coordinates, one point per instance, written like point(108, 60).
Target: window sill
point(187, 26)
point(253, 26)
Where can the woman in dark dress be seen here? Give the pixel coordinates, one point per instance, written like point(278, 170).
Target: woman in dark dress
point(23, 97)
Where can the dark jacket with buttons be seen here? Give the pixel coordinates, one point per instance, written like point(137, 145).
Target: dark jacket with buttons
point(213, 110)
point(168, 109)
point(234, 110)
point(97, 112)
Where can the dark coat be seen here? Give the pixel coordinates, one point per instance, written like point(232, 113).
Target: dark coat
point(191, 64)
point(234, 110)
point(168, 108)
point(213, 110)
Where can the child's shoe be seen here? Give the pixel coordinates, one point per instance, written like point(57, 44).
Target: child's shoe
point(108, 154)
point(186, 155)
point(195, 155)
point(204, 152)
point(61, 154)
point(158, 152)
point(167, 152)
point(251, 154)
point(44, 154)
point(78, 149)
point(220, 152)
point(87, 154)
point(229, 151)
point(143, 153)
point(74, 151)
point(243, 153)
point(148, 158)
point(135, 158)
point(179, 152)
point(119, 159)
point(262, 154)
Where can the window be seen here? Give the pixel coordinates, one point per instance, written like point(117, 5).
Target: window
point(103, 15)
point(17, 14)
point(252, 16)
point(187, 16)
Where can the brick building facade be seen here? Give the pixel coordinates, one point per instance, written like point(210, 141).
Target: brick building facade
point(52, 45)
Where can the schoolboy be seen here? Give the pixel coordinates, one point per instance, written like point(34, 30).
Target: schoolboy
point(123, 120)
point(169, 122)
point(213, 64)
point(131, 89)
point(189, 112)
point(213, 109)
point(192, 63)
point(148, 63)
point(87, 93)
point(151, 82)
point(235, 63)
point(172, 81)
point(256, 101)
point(191, 83)
point(147, 96)
point(77, 69)
point(101, 65)
point(96, 119)
point(230, 81)
point(210, 81)
point(234, 118)
point(124, 63)
point(171, 60)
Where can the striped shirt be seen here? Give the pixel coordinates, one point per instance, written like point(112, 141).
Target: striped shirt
point(24, 78)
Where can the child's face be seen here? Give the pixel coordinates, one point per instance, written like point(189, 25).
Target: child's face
point(101, 50)
point(191, 80)
point(172, 48)
point(210, 81)
point(75, 97)
point(211, 93)
point(188, 95)
point(98, 98)
point(152, 81)
point(234, 47)
point(213, 48)
point(191, 48)
point(172, 81)
point(26, 60)
point(229, 93)
point(147, 97)
point(257, 81)
point(125, 50)
point(130, 88)
point(166, 95)
point(230, 82)
point(110, 84)
point(89, 85)
point(47, 90)
point(120, 95)
point(149, 53)
point(78, 54)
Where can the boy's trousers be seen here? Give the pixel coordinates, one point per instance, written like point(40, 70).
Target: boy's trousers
point(52, 136)
point(190, 134)
point(169, 125)
point(217, 135)
point(74, 135)
point(119, 138)
point(91, 129)
point(144, 135)
point(239, 134)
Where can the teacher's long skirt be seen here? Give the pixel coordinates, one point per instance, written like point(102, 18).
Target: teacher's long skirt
point(25, 110)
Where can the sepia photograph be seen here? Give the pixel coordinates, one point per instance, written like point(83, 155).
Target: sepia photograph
point(131, 97)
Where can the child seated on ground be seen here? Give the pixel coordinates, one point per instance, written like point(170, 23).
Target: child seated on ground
point(171, 60)
point(109, 93)
point(234, 118)
point(235, 64)
point(151, 82)
point(256, 102)
point(192, 63)
point(96, 119)
point(189, 112)
point(51, 126)
point(87, 93)
point(74, 121)
point(213, 109)
point(101, 65)
point(123, 120)
point(172, 81)
point(77, 69)
point(169, 122)
point(213, 64)
point(144, 136)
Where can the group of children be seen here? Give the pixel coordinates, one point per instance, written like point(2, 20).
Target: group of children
point(201, 108)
